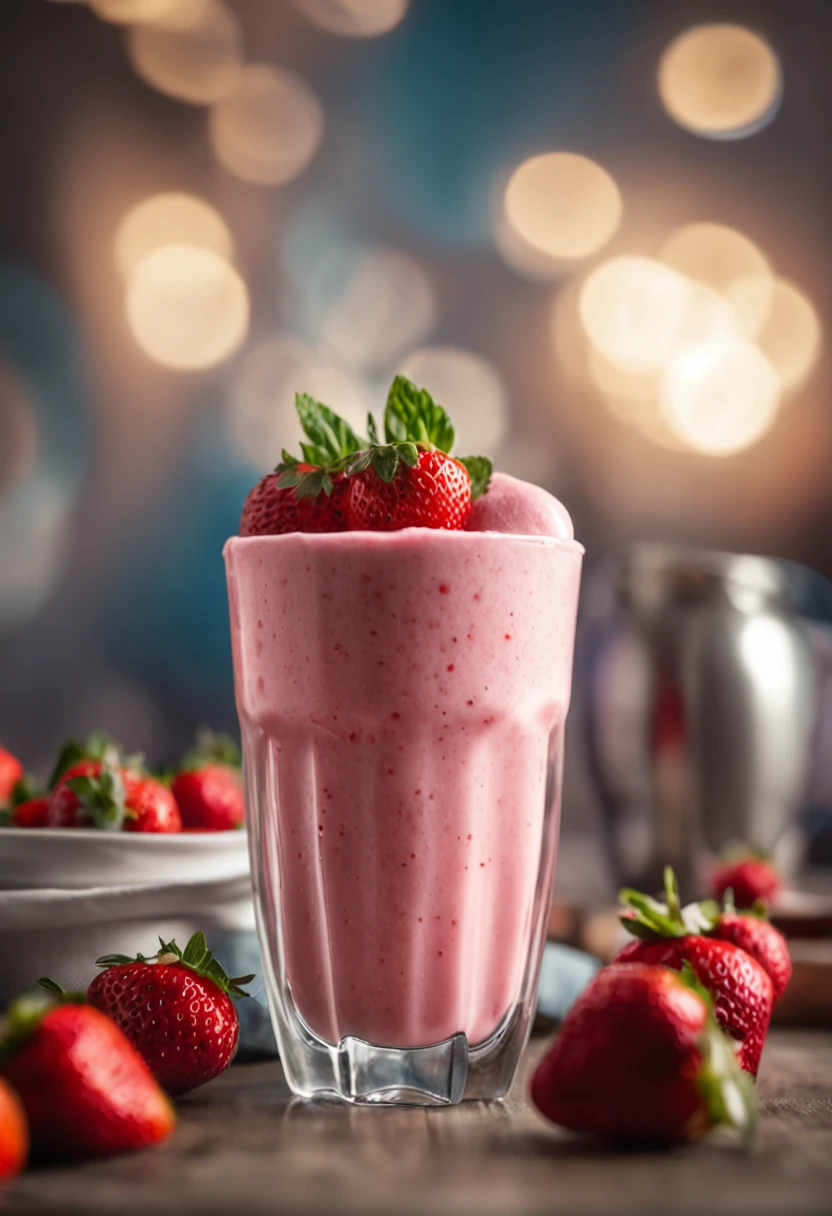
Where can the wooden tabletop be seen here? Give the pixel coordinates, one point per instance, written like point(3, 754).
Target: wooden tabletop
point(243, 1145)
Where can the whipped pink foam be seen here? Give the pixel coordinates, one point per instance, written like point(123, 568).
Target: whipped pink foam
point(521, 509)
point(402, 698)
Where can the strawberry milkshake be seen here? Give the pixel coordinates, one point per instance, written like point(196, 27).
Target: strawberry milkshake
point(402, 693)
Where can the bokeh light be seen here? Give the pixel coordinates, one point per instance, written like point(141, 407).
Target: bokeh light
point(268, 128)
point(386, 306)
point(470, 388)
point(354, 18)
point(263, 416)
point(134, 12)
point(199, 63)
point(564, 205)
point(790, 336)
point(719, 257)
point(720, 81)
point(169, 219)
point(632, 309)
point(187, 307)
point(721, 398)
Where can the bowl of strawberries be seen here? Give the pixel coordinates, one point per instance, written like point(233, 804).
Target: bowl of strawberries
point(106, 851)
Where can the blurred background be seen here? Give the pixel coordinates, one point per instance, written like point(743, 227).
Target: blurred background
point(599, 233)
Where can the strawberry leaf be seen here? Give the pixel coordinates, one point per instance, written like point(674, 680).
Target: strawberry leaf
point(211, 748)
point(479, 469)
point(332, 436)
point(103, 798)
point(411, 414)
point(372, 430)
point(196, 957)
point(24, 790)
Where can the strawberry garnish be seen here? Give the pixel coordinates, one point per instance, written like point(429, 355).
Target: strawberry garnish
point(32, 813)
point(670, 935)
point(85, 1089)
point(341, 481)
point(208, 788)
point(176, 1009)
point(640, 1058)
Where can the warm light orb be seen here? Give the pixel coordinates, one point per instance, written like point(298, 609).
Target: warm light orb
point(187, 307)
point(269, 127)
point(169, 219)
point(198, 64)
point(387, 305)
point(470, 388)
point(720, 398)
point(632, 309)
point(565, 205)
point(264, 419)
point(790, 336)
point(720, 81)
point(719, 256)
point(135, 12)
point(354, 18)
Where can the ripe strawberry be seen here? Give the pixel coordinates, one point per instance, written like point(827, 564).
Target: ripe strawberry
point(757, 937)
point(92, 794)
point(742, 991)
point(85, 1089)
point(11, 771)
point(750, 876)
point(434, 493)
point(14, 1133)
point(176, 1010)
point(344, 482)
point(208, 788)
point(640, 1058)
point(271, 510)
point(32, 813)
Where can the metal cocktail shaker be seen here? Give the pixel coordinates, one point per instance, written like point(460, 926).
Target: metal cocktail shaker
point(701, 709)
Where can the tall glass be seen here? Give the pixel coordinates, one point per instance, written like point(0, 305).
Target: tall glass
point(402, 698)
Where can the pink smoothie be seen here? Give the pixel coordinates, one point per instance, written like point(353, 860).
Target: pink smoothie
point(401, 695)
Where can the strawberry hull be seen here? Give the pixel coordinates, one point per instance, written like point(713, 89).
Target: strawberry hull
point(402, 698)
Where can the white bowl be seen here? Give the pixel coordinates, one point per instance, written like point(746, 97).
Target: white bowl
point(75, 858)
point(60, 933)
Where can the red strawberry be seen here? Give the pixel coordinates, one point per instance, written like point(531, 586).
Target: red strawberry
point(270, 510)
point(433, 493)
point(14, 1133)
point(208, 788)
point(92, 794)
point(176, 1010)
point(639, 1058)
point(742, 991)
point(85, 1089)
point(750, 876)
point(210, 799)
point(11, 771)
point(762, 941)
point(32, 813)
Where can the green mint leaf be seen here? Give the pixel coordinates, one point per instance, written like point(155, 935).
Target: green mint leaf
point(334, 437)
point(372, 429)
point(386, 462)
point(411, 414)
point(479, 469)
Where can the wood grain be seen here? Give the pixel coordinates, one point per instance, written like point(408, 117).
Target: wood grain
point(243, 1146)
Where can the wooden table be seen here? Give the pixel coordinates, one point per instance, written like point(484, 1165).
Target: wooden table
point(244, 1146)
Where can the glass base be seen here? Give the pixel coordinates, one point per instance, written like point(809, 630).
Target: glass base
point(367, 1074)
